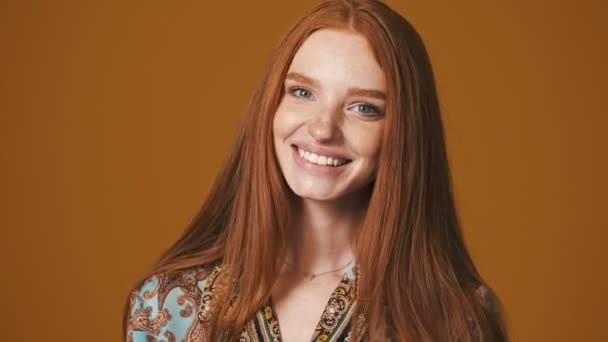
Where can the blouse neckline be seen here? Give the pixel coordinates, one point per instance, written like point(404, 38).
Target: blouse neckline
point(333, 321)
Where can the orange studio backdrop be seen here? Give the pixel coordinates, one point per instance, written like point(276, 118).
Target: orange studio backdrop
point(115, 117)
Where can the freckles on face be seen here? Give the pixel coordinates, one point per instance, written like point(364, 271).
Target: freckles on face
point(328, 126)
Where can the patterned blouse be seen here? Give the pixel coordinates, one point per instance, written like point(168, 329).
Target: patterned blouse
point(174, 306)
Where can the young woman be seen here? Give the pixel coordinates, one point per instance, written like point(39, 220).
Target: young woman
point(333, 218)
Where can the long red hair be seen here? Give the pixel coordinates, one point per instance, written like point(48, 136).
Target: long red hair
point(417, 281)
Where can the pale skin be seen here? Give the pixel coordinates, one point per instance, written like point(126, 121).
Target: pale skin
point(333, 100)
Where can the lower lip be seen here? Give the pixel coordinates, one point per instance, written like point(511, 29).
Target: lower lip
point(315, 169)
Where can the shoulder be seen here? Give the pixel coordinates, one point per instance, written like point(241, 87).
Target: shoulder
point(494, 328)
point(166, 305)
point(487, 298)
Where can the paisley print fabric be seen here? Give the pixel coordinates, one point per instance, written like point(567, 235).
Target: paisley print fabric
point(177, 306)
point(166, 307)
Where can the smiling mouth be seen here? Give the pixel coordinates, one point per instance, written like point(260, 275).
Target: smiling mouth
point(318, 159)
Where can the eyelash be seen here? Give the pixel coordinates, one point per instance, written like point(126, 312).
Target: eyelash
point(374, 109)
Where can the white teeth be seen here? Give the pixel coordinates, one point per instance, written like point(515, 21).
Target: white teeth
point(320, 160)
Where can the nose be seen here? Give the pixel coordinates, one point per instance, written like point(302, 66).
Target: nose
point(324, 127)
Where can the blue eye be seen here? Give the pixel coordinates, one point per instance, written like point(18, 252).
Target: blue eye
point(301, 92)
point(365, 108)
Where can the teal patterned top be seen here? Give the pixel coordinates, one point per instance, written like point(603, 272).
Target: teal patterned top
point(175, 306)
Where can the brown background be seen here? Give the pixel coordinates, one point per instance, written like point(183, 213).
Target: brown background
point(115, 117)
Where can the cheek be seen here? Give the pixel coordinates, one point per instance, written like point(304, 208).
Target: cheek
point(367, 141)
point(279, 124)
point(285, 121)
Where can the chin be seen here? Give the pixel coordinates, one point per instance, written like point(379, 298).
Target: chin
point(328, 195)
point(317, 195)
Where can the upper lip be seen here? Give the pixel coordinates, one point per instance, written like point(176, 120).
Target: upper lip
point(320, 150)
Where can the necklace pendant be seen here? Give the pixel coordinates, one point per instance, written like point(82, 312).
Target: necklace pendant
point(310, 276)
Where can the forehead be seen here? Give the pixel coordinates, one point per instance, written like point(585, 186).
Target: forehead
point(330, 55)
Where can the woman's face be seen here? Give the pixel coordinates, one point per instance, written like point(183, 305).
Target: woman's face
point(328, 127)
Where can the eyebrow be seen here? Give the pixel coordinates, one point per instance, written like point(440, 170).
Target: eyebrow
point(298, 77)
point(368, 93)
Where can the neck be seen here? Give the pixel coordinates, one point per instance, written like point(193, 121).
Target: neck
point(323, 233)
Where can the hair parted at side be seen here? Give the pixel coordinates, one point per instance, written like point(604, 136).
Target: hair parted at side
point(417, 281)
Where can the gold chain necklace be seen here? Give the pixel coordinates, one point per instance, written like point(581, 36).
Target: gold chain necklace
point(310, 276)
